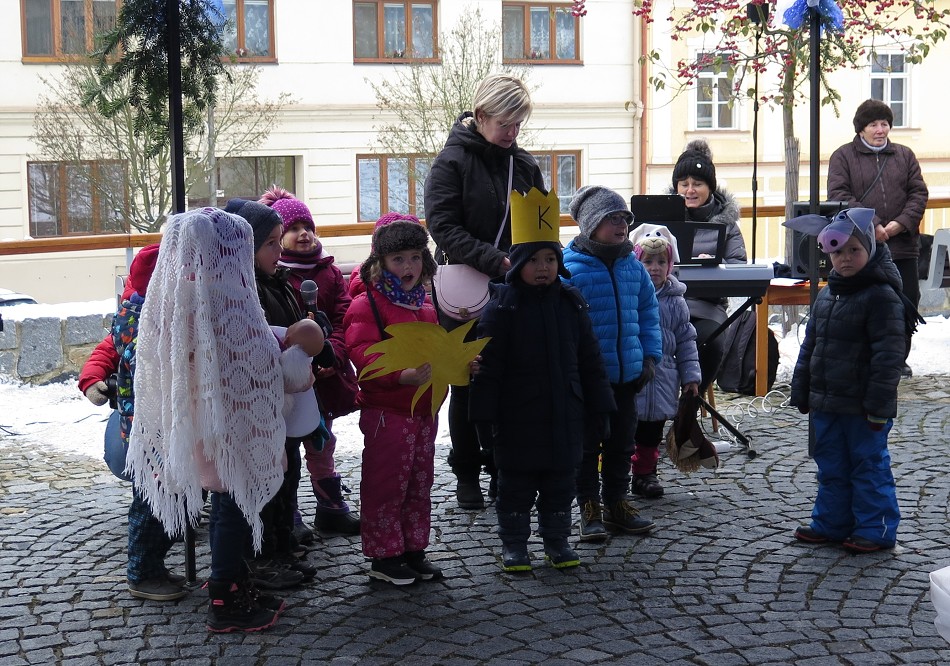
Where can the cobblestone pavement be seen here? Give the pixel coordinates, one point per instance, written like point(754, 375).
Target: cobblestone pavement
point(721, 581)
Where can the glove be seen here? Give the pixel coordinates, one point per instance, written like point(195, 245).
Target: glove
point(646, 376)
point(876, 423)
point(803, 409)
point(326, 358)
point(323, 322)
point(98, 394)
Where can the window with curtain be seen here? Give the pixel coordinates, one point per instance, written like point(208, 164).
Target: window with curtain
point(715, 108)
point(58, 29)
point(539, 33)
point(249, 32)
point(889, 83)
point(562, 173)
point(394, 31)
point(70, 199)
point(391, 183)
point(242, 178)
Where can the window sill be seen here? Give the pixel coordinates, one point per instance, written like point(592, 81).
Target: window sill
point(397, 61)
point(532, 61)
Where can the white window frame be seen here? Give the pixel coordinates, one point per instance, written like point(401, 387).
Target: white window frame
point(695, 102)
point(887, 78)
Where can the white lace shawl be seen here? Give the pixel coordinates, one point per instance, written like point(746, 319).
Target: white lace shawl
point(208, 387)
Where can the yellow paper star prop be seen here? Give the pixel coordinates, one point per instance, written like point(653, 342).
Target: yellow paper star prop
point(417, 342)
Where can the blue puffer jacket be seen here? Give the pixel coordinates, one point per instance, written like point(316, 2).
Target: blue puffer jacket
point(680, 365)
point(623, 309)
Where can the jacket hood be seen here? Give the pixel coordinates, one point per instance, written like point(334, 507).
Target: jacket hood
point(673, 287)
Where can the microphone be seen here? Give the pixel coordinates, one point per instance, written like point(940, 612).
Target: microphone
point(308, 292)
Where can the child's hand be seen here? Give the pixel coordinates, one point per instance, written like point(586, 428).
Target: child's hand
point(416, 376)
point(474, 366)
point(692, 388)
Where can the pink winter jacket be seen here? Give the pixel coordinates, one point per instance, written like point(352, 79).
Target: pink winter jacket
point(383, 392)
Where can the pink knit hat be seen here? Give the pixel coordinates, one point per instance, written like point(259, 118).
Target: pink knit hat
point(290, 209)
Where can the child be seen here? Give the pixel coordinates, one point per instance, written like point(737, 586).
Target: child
point(148, 543)
point(677, 371)
point(208, 403)
point(279, 302)
point(304, 258)
point(846, 377)
point(541, 375)
point(624, 313)
point(399, 447)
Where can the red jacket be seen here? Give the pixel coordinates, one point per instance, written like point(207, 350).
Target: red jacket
point(337, 392)
point(383, 392)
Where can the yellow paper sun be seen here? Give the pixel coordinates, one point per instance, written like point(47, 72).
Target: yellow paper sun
point(417, 342)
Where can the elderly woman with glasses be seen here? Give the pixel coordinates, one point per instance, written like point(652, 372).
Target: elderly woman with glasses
point(626, 319)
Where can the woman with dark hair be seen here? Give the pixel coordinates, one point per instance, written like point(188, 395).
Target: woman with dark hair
point(466, 197)
point(694, 178)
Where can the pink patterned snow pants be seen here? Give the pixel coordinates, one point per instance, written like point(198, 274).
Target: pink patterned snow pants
point(396, 483)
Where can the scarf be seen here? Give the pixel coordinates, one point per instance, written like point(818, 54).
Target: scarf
point(391, 287)
point(705, 212)
point(302, 261)
point(875, 149)
point(208, 388)
point(606, 252)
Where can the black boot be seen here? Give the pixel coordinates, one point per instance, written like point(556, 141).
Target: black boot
point(333, 513)
point(234, 607)
point(469, 492)
point(555, 526)
point(514, 528)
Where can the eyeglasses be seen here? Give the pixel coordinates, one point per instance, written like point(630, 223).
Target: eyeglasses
point(616, 219)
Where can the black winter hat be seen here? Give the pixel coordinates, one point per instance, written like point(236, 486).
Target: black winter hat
point(870, 110)
point(395, 237)
point(519, 254)
point(696, 161)
point(261, 218)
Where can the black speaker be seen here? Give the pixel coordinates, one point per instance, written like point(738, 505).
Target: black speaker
point(801, 243)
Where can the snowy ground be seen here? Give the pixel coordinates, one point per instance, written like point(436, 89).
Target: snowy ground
point(57, 417)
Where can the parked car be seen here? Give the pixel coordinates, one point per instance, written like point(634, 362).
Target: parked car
point(9, 298)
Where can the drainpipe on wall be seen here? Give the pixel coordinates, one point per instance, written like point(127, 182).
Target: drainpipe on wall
point(644, 126)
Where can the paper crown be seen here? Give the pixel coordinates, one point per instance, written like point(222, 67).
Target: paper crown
point(535, 217)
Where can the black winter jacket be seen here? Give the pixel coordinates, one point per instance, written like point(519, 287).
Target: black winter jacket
point(278, 298)
point(465, 195)
point(851, 360)
point(900, 193)
point(541, 374)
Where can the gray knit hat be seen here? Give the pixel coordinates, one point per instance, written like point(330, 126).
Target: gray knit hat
point(592, 203)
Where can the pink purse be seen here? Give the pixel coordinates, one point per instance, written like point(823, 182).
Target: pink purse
point(461, 291)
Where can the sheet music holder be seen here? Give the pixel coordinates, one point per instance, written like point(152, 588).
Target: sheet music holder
point(670, 211)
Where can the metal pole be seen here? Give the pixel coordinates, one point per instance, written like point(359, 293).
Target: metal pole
point(176, 131)
point(176, 117)
point(814, 162)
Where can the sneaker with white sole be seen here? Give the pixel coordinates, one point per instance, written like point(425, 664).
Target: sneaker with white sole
point(392, 570)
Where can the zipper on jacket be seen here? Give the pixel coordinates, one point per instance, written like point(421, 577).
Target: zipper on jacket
point(613, 281)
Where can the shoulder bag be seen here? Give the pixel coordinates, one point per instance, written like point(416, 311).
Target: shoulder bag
point(461, 292)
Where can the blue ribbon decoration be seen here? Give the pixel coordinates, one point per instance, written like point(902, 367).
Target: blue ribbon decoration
point(829, 11)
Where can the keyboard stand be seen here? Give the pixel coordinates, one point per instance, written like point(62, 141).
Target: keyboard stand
point(743, 440)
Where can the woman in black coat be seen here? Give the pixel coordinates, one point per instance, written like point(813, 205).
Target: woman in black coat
point(466, 196)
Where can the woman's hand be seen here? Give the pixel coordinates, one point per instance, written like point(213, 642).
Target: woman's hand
point(416, 376)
